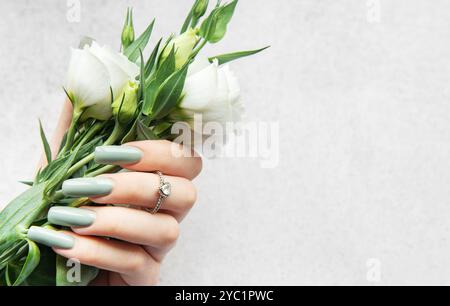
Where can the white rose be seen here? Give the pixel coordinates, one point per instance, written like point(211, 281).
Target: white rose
point(212, 91)
point(93, 71)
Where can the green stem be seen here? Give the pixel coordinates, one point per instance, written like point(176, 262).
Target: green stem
point(89, 135)
point(103, 170)
point(199, 48)
point(58, 196)
point(72, 131)
point(115, 135)
point(80, 164)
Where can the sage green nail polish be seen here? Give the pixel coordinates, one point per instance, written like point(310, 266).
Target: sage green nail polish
point(87, 187)
point(50, 238)
point(70, 216)
point(117, 155)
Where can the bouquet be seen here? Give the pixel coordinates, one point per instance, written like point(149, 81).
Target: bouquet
point(119, 97)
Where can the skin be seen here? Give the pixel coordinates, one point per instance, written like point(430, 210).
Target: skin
point(141, 239)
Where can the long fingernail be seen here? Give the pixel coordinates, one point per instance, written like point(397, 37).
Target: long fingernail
point(70, 216)
point(50, 238)
point(87, 187)
point(117, 155)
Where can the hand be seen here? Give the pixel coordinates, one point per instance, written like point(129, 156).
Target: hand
point(141, 240)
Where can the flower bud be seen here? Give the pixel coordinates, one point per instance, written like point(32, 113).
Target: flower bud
point(184, 44)
point(200, 8)
point(128, 30)
point(125, 105)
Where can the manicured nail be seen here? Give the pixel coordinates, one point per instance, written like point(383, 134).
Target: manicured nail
point(87, 187)
point(50, 238)
point(70, 216)
point(117, 155)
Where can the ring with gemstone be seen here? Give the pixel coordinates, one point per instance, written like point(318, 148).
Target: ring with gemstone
point(164, 191)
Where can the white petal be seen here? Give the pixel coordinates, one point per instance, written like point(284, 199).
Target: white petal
point(223, 91)
point(88, 79)
point(200, 89)
point(119, 70)
point(105, 52)
point(198, 65)
point(233, 83)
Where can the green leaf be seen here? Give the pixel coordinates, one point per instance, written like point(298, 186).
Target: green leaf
point(161, 128)
point(132, 51)
point(224, 16)
point(60, 173)
point(31, 262)
point(187, 21)
point(166, 69)
point(225, 58)
point(45, 272)
point(152, 60)
point(131, 135)
point(214, 28)
point(144, 132)
point(141, 77)
point(169, 93)
point(20, 214)
point(63, 270)
point(48, 151)
point(28, 183)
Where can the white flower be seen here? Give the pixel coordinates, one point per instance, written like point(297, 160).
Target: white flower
point(93, 71)
point(212, 91)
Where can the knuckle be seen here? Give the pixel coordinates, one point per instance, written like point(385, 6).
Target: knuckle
point(89, 255)
point(191, 195)
point(137, 262)
point(172, 232)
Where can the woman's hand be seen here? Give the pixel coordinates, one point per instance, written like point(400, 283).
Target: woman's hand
point(127, 243)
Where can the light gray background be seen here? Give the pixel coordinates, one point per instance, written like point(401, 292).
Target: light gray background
point(364, 111)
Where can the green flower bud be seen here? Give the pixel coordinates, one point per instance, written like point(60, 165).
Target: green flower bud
point(184, 44)
point(125, 105)
point(128, 30)
point(200, 8)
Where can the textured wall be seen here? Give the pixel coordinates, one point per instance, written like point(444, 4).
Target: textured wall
point(363, 105)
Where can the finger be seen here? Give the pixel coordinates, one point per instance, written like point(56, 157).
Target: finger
point(134, 264)
point(126, 224)
point(134, 188)
point(152, 155)
point(61, 128)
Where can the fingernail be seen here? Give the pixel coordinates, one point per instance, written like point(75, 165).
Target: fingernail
point(70, 216)
point(117, 155)
point(50, 238)
point(87, 187)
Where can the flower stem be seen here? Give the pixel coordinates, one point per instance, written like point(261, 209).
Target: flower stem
point(103, 170)
point(72, 130)
point(115, 135)
point(199, 48)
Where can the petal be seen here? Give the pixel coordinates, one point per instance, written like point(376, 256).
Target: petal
point(120, 72)
point(200, 89)
point(105, 52)
point(198, 65)
point(233, 84)
point(88, 79)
